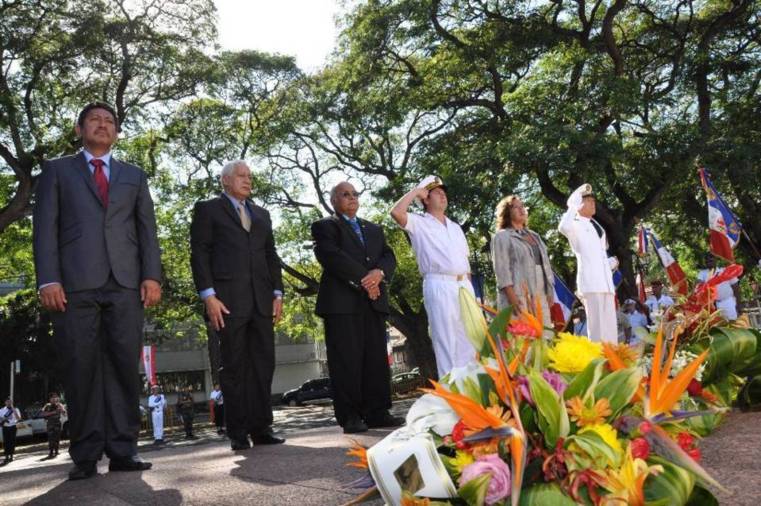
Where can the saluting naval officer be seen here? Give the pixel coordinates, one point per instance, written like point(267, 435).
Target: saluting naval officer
point(594, 268)
point(442, 257)
point(157, 403)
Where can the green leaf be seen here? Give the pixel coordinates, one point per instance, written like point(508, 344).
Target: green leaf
point(673, 486)
point(474, 491)
point(544, 495)
point(474, 321)
point(702, 497)
point(619, 387)
point(586, 379)
point(553, 418)
point(731, 350)
point(596, 448)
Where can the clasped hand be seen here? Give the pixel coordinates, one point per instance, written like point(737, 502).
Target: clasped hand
point(371, 283)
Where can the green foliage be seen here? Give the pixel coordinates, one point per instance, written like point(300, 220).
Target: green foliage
point(553, 417)
point(619, 387)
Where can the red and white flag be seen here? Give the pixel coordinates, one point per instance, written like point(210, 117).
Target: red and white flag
point(148, 356)
point(724, 227)
point(673, 270)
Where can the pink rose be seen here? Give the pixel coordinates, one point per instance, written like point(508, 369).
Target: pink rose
point(499, 484)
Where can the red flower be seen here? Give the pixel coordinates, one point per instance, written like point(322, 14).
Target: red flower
point(695, 389)
point(458, 433)
point(695, 454)
point(521, 328)
point(645, 427)
point(640, 448)
point(685, 440)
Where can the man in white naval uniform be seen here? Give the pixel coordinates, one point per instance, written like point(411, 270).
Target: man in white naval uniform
point(594, 279)
point(157, 403)
point(442, 257)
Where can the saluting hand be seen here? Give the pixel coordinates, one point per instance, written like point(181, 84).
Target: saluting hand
point(215, 310)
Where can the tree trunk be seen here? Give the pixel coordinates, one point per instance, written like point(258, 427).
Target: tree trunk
point(414, 326)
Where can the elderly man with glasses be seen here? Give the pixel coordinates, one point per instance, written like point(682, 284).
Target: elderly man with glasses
point(357, 264)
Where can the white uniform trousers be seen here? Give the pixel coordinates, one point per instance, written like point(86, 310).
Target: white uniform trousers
point(441, 297)
point(157, 417)
point(601, 316)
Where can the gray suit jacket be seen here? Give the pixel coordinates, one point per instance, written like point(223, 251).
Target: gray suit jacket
point(79, 242)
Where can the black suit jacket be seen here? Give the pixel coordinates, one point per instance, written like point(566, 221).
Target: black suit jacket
point(242, 267)
point(78, 241)
point(345, 261)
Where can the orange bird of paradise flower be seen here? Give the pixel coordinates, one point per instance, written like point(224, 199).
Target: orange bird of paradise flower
point(360, 452)
point(662, 392)
point(616, 363)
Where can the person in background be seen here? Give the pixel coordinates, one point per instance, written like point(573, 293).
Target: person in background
point(9, 417)
point(658, 301)
point(521, 263)
point(186, 411)
point(623, 326)
point(52, 412)
point(594, 268)
point(579, 321)
point(157, 403)
point(727, 293)
point(219, 408)
point(637, 320)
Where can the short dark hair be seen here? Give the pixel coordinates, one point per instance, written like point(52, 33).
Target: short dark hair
point(97, 105)
point(53, 394)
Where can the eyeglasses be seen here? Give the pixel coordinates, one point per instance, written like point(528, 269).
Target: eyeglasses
point(346, 195)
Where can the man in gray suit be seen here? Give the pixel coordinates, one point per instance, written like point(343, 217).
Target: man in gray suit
point(98, 266)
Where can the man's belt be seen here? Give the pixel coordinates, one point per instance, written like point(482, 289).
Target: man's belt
point(448, 277)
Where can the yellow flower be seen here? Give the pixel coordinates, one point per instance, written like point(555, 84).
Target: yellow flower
point(607, 433)
point(583, 415)
point(573, 353)
point(626, 483)
point(461, 460)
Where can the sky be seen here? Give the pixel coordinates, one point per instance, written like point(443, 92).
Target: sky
point(301, 28)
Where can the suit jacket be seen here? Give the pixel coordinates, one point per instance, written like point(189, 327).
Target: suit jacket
point(78, 242)
point(345, 261)
point(242, 267)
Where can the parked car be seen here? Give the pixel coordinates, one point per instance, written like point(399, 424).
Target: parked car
point(39, 423)
point(310, 391)
point(405, 382)
point(23, 430)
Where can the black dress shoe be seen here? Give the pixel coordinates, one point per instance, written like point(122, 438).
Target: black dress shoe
point(386, 420)
point(239, 444)
point(267, 439)
point(354, 425)
point(133, 463)
point(83, 470)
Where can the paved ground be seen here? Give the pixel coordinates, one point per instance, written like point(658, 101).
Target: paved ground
point(310, 469)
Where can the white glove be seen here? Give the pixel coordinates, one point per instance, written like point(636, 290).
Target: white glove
point(576, 201)
point(613, 262)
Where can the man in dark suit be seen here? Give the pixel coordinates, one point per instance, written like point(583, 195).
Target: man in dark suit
point(353, 302)
point(237, 273)
point(98, 266)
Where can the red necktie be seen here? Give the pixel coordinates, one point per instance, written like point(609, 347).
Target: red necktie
point(100, 180)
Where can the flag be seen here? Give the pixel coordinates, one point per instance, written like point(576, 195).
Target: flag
point(673, 270)
point(561, 307)
point(148, 356)
point(389, 349)
point(641, 286)
point(642, 243)
point(724, 227)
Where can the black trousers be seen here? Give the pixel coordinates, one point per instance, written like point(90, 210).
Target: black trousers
point(98, 339)
point(358, 364)
point(187, 423)
point(219, 415)
point(54, 438)
point(247, 350)
point(9, 440)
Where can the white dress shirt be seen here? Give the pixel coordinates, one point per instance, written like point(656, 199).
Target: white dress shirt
point(593, 266)
point(659, 304)
point(440, 248)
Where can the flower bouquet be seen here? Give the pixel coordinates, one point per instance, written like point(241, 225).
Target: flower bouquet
point(535, 422)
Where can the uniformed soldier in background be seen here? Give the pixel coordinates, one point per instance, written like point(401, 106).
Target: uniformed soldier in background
point(52, 412)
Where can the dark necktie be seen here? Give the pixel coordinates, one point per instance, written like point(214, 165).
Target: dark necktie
point(100, 180)
point(355, 226)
